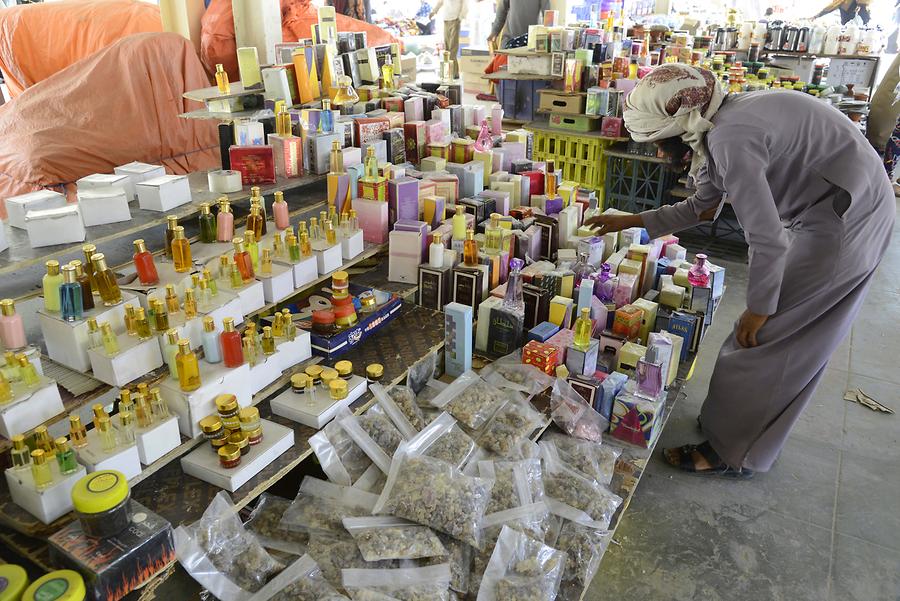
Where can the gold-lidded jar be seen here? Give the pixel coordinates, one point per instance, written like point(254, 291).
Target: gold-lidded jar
point(374, 372)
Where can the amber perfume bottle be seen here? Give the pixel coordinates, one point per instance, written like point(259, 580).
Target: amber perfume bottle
point(106, 281)
point(188, 367)
point(242, 260)
point(171, 224)
point(190, 304)
point(470, 249)
point(254, 222)
point(207, 224)
point(87, 292)
point(265, 262)
point(173, 305)
point(160, 315)
point(77, 432)
point(550, 180)
point(181, 251)
point(268, 341)
point(222, 80)
point(305, 245)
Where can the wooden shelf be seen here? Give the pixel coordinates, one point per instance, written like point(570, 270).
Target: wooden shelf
point(869, 57)
point(504, 75)
point(560, 92)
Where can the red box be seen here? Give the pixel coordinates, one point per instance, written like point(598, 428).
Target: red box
point(414, 134)
point(462, 150)
point(612, 127)
point(370, 128)
point(541, 355)
point(393, 103)
point(537, 182)
point(255, 163)
point(439, 149)
point(627, 321)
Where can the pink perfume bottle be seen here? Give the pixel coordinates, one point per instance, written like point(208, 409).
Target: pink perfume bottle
point(648, 373)
point(280, 212)
point(484, 141)
point(224, 221)
point(698, 275)
point(12, 331)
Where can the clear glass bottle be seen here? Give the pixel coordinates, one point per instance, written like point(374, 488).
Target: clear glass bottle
point(171, 224)
point(143, 264)
point(254, 223)
point(470, 249)
point(210, 339)
point(40, 470)
point(173, 303)
point(345, 94)
point(157, 405)
point(181, 251)
point(213, 287)
point(5, 390)
point(249, 350)
point(11, 369)
point(70, 298)
point(77, 432)
point(106, 281)
point(170, 352)
point(370, 165)
point(290, 330)
point(243, 261)
point(514, 299)
point(354, 221)
point(110, 341)
point(160, 316)
point(649, 374)
point(98, 411)
point(268, 341)
point(387, 73)
point(257, 200)
point(204, 297)
point(280, 211)
point(493, 236)
point(53, 279)
point(224, 221)
point(485, 141)
point(95, 339)
point(27, 372)
point(446, 68)
point(87, 292)
point(12, 329)
point(129, 319)
point(326, 119)
point(190, 304)
point(582, 269)
point(304, 246)
point(108, 439)
point(315, 234)
point(230, 339)
point(605, 288)
point(583, 329)
point(65, 457)
point(20, 454)
point(188, 367)
point(126, 427)
point(222, 80)
point(143, 414)
point(698, 274)
point(89, 250)
point(252, 245)
point(225, 266)
point(550, 180)
point(265, 262)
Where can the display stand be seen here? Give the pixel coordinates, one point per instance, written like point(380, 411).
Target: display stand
point(94, 457)
point(266, 371)
point(46, 505)
point(135, 358)
point(278, 285)
point(291, 353)
point(305, 271)
point(203, 253)
point(30, 408)
point(67, 341)
point(352, 245)
point(317, 410)
point(225, 304)
point(252, 296)
point(158, 439)
point(328, 259)
point(167, 275)
point(191, 407)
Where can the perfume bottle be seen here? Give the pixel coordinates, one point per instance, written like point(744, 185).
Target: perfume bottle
point(5, 390)
point(446, 68)
point(20, 454)
point(157, 405)
point(171, 224)
point(170, 352)
point(326, 119)
point(436, 252)
point(129, 319)
point(43, 441)
point(293, 248)
point(160, 316)
point(110, 342)
point(345, 94)
point(126, 427)
point(268, 341)
point(254, 223)
point(507, 321)
point(252, 245)
point(188, 367)
point(10, 371)
point(370, 165)
point(698, 274)
point(277, 245)
point(181, 251)
point(493, 236)
point(27, 372)
point(89, 250)
point(40, 470)
point(249, 349)
point(230, 340)
point(290, 330)
point(649, 374)
point(213, 287)
point(605, 288)
point(236, 280)
point(315, 234)
point(143, 264)
point(243, 261)
point(354, 221)
point(12, 330)
point(52, 281)
point(470, 250)
point(583, 329)
point(95, 339)
point(256, 200)
point(77, 432)
point(224, 271)
point(265, 262)
point(207, 224)
point(582, 269)
point(107, 434)
point(485, 141)
point(305, 246)
point(143, 414)
point(330, 234)
point(550, 179)
point(514, 299)
point(459, 228)
point(224, 221)
point(190, 304)
point(222, 80)
point(106, 281)
point(87, 292)
point(98, 411)
point(278, 325)
point(387, 73)
point(70, 296)
point(210, 340)
point(204, 296)
point(173, 305)
point(65, 457)
point(280, 211)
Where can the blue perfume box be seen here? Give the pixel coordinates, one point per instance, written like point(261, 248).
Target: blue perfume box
point(543, 331)
point(457, 339)
point(684, 325)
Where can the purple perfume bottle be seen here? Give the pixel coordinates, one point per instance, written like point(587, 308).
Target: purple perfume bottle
point(484, 141)
point(648, 373)
point(605, 289)
point(698, 275)
point(582, 268)
point(514, 300)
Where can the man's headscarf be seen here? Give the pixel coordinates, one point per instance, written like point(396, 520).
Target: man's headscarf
point(674, 100)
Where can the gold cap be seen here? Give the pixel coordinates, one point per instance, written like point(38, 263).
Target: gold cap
point(248, 415)
point(62, 444)
point(18, 442)
point(375, 370)
point(298, 381)
point(172, 337)
point(314, 371)
point(126, 418)
point(140, 314)
point(436, 238)
point(8, 307)
point(179, 232)
point(238, 439)
point(92, 324)
point(238, 245)
point(38, 457)
point(184, 347)
point(172, 221)
point(338, 388)
point(470, 234)
point(249, 237)
point(228, 324)
point(226, 403)
point(279, 196)
point(103, 423)
point(209, 324)
point(68, 272)
point(99, 261)
point(204, 208)
point(210, 424)
point(344, 368)
point(52, 267)
point(140, 246)
point(87, 249)
point(229, 452)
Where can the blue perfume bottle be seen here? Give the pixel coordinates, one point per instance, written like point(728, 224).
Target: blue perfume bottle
point(70, 302)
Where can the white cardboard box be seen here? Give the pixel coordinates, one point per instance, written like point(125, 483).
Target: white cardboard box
point(322, 409)
point(167, 275)
point(190, 330)
point(353, 245)
point(296, 351)
point(30, 409)
point(328, 259)
point(225, 304)
point(204, 464)
point(18, 206)
point(46, 505)
point(191, 407)
point(157, 440)
point(67, 342)
point(203, 253)
point(100, 206)
point(4, 242)
point(107, 180)
point(139, 172)
point(54, 226)
point(252, 297)
point(265, 372)
point(279, 285)
point(135, 358)
point(163, 193)
point(305, 271)
point(123, 458)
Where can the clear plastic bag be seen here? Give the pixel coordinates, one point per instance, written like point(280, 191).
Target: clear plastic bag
point(443, 439)
point(372, 480)
point(593, 459)
point(525, 449)
point(521, 569)
point(321, 505)
point(471, 400)
point(424, 397)
point(420, 372)
point(341, 459)
point(509, 372)
point(428, 583)
point(572, 495)
point(571, 413)
point(584, 548)
point(265, 523)
point(300, 581)
point(399, 403)
point(533, 519)
point(433, 493)
point(381, 538)
point(516, 420)
point(336, 551)
point(220, 554)
point(516, 483)
point(376, 435)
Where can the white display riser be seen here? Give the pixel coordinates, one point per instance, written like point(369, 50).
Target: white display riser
point(158, 439)
point(30, 408)
point(135, 358)
point(352, 246)
point(252, 296)
point(279, 285)
point(123, 458)
point(167, 275)
point(328, 259)
point(322, 409)
point(46, 505)
point(289, 354)
point(305, 271)
point(191, 407)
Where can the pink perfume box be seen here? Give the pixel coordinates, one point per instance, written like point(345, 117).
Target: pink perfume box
point(373, 219)
point(414, 109)
point(403, 199)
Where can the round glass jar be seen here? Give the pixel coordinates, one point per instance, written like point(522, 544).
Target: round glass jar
point(374, 372)
point(338, 389)
point(227, 405)
point(314, 373)
point(212, 427)
point(323, 323)
point(102, 503)
point(344, 369)
point(249, 417)
point(240, 440)
point(367, 302)
point(229, 456)
point(254, 437)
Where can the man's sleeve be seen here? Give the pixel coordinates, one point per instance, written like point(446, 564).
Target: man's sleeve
point(500, 19)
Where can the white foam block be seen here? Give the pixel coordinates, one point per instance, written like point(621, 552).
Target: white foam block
point(305, 271)
point(279, 284)
point(55, 226)
point(328, 259)
point(225, 304)
point(67, 341)
point(135, 358)
point(216, 379)
point(157, 440)
point(266, 371)
point(123, 458)
point(139, 172)
point(252, 297)
point(296, 351)
point(49, 504)
point(317, 411)
point(30, 408)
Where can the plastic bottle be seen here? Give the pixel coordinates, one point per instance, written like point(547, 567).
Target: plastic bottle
point(52, 280)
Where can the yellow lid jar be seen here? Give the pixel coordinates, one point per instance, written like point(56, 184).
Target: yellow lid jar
point(102, 502)
point(61, 585)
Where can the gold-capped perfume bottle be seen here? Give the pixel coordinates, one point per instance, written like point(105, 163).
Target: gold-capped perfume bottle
point(188, 367)
point(106, 281)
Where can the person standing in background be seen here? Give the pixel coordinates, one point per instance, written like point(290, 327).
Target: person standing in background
point(516, 16)
point(452, 14)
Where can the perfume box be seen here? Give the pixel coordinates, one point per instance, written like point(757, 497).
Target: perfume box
point(541, 355)
point(583, 362)
point(367, 62)
point(648, 317)
point(138, 172)
point(675, 343)
point(462, 150)
point(439, 149)
point(716, 278)
point(671, 295)
point(305, 271)
point(446, 185)
point(49, 227)
point(568, 220)
point(166, 192)
point(589, 387)
point(684, 325)
point(338, 189)
point(433, 210)
point(288, 153)
point(328, 258)
point(156, 440)
point(537, 304)
point(636, 420)
point(123, 458)
point(419, 227)
point(403, 199)
point(627, 322)
point(629, 355)
point(504, 332)
point(435, 130)
point(543, 331)
point(404, 256)
point(483, 321)
point(393, 104)
point(486, 158)
point(414, 137)
point(549, 230)
point(434, 286)
point(277, 285)
point(396, 145)
point(18, 206)
point(561, 309)
point(135, 358)
point(352, 245)
point(375, 189)
point(414, 108)
point(30, 408)
point(562, 340)
point(319, 147)
point(373, 219)
point(470, 176)
point(476, 208)
point(216, 379)
point(457, 339)
point(662, 342)
point(107, 180)
point(468, 286)
point(500, 200)
point(100, 206)
point(352, 156)
point(370, 128)
point(67, 341)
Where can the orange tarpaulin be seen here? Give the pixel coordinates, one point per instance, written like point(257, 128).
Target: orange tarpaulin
point(37, 40)
point(217, 43)
point(117, 106)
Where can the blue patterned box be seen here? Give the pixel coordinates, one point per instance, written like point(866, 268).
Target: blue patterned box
point(543, 331)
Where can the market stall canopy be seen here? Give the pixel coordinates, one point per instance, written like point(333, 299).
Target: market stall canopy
point(38, 40)
point(117, 106)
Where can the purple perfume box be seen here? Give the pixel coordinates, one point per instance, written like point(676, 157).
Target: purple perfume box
point(512, 151)
point(553, 205)
point(501, 200)
point(403, 199)
point(414, 109)
point(414, 225)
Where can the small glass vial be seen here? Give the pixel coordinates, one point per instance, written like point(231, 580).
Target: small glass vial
point(77, 432)
point(144, 265)
point(213, 287)
point(280, 211)
point(190, 304)
point(158, 406)
point(222, 80)
point(129, 320)
point(207, 224)
point(40, 470)
point(278, 325)
point(265, 262)
point(254, 222)
point(160, 316)
point(337, 389)
point(87, 293)
point(301, 385)
point(212, 427)
point(51, 282)
point(237, 281)
point(89, 250)
point(367, 302)
point(142, 324)
point(305, 245)
point(181, 251)
point(243, 260)
point(95, 338)
point(173, 304)
point(98, 411)
point(143, 414)
point(374, 373)
point(344, 369)
point(239, 439)
point(106, 281)
point(470, 249)
point(252, 244)
point(290, 330)
point(5, 390)
point(70, 300)
point(330, 234)
point(249, 417)
point(20, 454)
point(170, 353)
point(230, 340)
point(65, 457)
point(126, 427)
point(293, 249)
point(27, 372)
point(268, 341)
point(188, 367)
point(212, 352)
point(107, 434)
point(43, 441)
point(250, 354)
point(229, 456)
point(224, 221)
point(11, 369)
point(125, 401)
point(171, 224)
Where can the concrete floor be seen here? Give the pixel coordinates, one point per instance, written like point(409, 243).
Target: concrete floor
point(823, 524)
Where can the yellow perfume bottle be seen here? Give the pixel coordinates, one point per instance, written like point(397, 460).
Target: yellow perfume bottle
point(142, 325)
point(27, 373)
point(277, 245)
point(77, 432)
point(252, 246)
point(278, 325)
point(5, 390)
point(330, 233)
point(173, 305)
point(99, 411)
point(188, 367)
point(268, 341)
point(222, 80)
point(190, 304)
point(250, 355)
point(305, 245)
point(157, 405)
point(265, 263)
point(583, 328)
point(493, 235)
point(53, 279)
point(129, 320)
point(160, 315)
point(181, 251)
point(470, 249)
point(43, 441)
point(213, 287)
point(110, 342)
point(106, 433)
point(106, 281)
point(236, 280)
point(40, 470)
